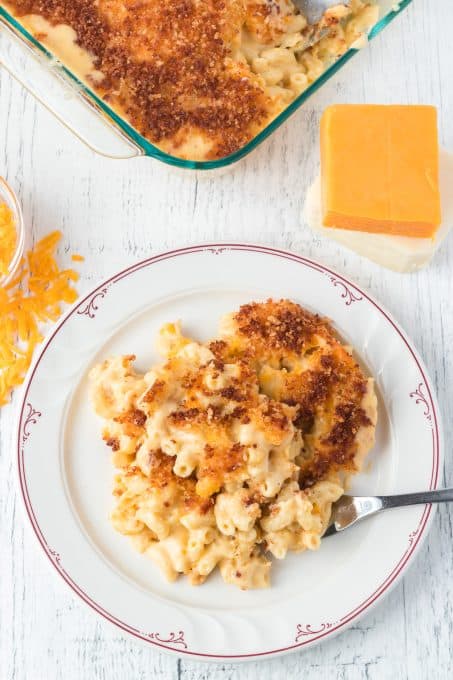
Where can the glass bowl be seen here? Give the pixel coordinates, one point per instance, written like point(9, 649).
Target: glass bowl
point(105, 131)
point(8, 196)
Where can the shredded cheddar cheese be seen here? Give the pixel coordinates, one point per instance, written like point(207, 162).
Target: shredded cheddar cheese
point(33, 298)
point(8, 238)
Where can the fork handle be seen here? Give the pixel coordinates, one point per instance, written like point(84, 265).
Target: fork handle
point(418, 498)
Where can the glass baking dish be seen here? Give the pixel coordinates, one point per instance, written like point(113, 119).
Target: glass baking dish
point(96, 124)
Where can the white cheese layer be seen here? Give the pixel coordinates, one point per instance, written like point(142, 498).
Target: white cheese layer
point(400, 253)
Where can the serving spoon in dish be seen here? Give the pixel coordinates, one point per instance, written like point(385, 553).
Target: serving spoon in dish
point(348, 510)
point(313, 11)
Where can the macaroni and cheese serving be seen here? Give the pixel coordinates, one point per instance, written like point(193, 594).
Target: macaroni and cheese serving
point(233, 451)
point(198, 78)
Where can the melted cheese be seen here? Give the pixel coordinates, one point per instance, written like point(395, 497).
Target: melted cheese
point(61, 40)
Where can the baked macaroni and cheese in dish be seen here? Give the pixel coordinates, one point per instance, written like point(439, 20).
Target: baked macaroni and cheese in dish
point(233, 451)
point(197, 78)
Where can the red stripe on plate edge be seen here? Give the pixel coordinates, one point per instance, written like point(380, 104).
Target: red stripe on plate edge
point(247, 248)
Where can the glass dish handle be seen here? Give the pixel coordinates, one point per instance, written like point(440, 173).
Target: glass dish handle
point(62, 95)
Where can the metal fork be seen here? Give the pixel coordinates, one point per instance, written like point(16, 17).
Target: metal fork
point(348, 510)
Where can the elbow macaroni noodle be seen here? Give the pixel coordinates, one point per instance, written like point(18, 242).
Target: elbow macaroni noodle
point(284, 57)
point(208, 464)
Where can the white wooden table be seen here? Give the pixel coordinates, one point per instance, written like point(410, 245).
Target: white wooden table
point(115, 212)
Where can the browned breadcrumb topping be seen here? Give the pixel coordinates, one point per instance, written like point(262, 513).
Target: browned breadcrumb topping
point(132, 470)
point(135, 416)
point(277, 326)
point(167, 65)
point(237, 402)
point(162, 475)
point(257, 22)
point(132, 421)
point(113, 442)
point(154, 392)
point(218, 348)
point(233, 393)
point(275, 416)
point(278, 365)
point(316, 374)
point(218, 463)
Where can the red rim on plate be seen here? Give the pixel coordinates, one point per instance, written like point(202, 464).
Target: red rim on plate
point(305, 634)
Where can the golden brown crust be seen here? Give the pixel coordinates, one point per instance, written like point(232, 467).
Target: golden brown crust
point(277, 326)
point(156, 391)
point(257, 21)
point(213, 469)
point(162, 475)
point(133, 422)
point(238, 403)
point(113, 442)
point(166, 65)
point(217, 463)
point(198, 78)
point(276, 366)
point(312, 371)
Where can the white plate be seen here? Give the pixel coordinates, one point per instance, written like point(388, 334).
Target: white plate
point(66, 474)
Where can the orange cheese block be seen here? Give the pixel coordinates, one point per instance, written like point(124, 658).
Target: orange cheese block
point(379, 169)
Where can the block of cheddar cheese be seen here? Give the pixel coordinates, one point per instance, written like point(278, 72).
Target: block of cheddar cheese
point(379, 169)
